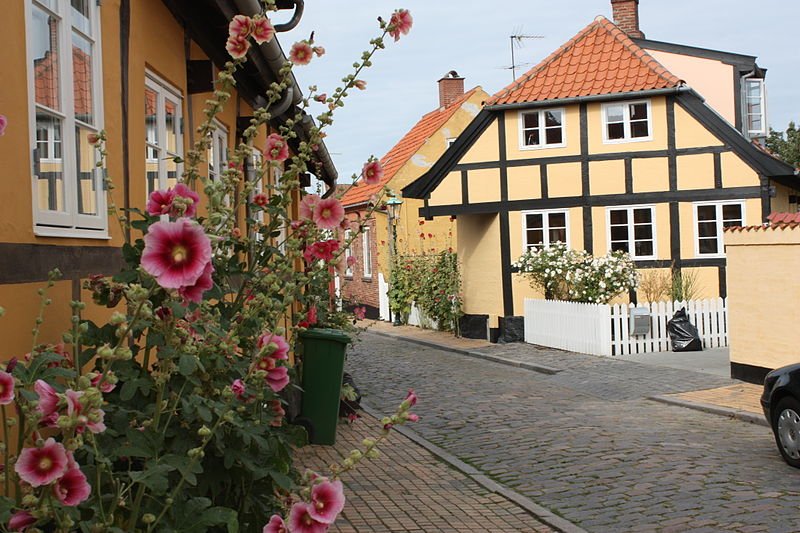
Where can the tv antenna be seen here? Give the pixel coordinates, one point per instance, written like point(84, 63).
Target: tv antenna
point(517, 42)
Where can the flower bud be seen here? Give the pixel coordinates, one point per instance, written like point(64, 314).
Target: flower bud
point(148, 518)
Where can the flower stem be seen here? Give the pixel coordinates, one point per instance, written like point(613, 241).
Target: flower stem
point(6, 454)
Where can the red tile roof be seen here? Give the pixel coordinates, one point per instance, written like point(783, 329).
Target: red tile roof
point(784, 218)
point(405, 150)
point(776, 221)
point(600, 59)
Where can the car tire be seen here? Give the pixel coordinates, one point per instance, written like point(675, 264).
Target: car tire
point(786, 428)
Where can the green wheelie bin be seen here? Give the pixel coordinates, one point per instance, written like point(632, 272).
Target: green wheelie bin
point(323, 366)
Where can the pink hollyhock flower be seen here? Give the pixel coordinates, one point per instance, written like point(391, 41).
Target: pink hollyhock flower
point(311, 314)
point(263, 32)
point(238, 388)
point(42, 466)
point(307, 205)
point(3, 125)
point(400, 22)
point(372, 172)
point(185, 192)
point(237, 47)
point(160, 202)
point(282, 350)
point(328, 213)
point(413, 417)
point(260, 199)
point(6, 388)
point(92, 419)
point(266, 363)
point(360, 312)
point(360, 85)
point(278, 411)
point(301, 521)
point(277, 148)
point(411, 397)
point(351, 261)
point(20, 521)
point(301, 53)
point(278, 378)
point(319, 51)
point(240, 26)
point(322, 250)
point(72, 488)
point(321, 98)
point(327, 501)
point(275, 525)
point(107, 385)
point(48, 399)
point(176, 253)
point(346, 224)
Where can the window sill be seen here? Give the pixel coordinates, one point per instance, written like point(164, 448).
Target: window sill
point(367, 279)
point(542, 146)
point(626, 141)
point(68, 233)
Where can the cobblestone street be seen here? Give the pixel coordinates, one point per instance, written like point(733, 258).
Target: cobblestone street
point(585, 442)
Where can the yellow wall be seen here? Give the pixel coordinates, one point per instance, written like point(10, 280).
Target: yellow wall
point(695, 171)
point(564, 179)
point(650, 174)
point(606, 177)
point(689, 133)
point(524, 182)
point(478, 249)
point(762, 298)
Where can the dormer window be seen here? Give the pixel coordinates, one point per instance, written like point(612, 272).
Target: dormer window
point(754, 107)
point(626, 121)
point(542, 129)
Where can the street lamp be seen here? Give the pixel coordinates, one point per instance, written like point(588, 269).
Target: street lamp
point(393, 205)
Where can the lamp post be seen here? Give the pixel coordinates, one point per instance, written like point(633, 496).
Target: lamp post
point(393, 205)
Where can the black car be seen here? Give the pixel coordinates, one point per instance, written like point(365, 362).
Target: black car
point(781, 404)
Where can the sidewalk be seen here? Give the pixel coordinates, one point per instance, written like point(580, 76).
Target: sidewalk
point(740, 400)
point(408, 489)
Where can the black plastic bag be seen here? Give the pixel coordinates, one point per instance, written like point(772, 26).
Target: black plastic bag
point(683, 334)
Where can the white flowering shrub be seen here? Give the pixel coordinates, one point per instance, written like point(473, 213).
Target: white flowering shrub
point(574, 275)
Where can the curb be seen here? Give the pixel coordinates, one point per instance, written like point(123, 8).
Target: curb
point(545, 516)
point(737, 414)
point(542, 369)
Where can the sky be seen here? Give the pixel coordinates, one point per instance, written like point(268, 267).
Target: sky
point(472, 37)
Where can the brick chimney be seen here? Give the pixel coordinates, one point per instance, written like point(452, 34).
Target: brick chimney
point(451, 88)
point(626, 16)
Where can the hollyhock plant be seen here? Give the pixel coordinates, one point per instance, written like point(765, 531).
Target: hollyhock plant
point(400, 23)
point(260, 199)
point(328, 213)
point(360, 312)
point(160, 202)
point(301, 53)
point(277, 148)
point(361, 85)
point(21, 520)
point(275, 525)
point(237, 47)
point(276, 345)
point(48, 401)
point(42, 466)
point(176, 253)
point(194, 293)
point(278, 378)
point(307, 205)
point(6, 388)
point(372, 172)
point(240, 27)
point(107, 385)
point(262, 30)
point(327, 501)
point(301, 521)
point(72, 488)
point(238, 388)
point(187, 198)
point(3, 125)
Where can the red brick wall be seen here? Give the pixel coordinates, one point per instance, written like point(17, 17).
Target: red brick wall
point(626, 16)
point(359, 289)
point(450, 90)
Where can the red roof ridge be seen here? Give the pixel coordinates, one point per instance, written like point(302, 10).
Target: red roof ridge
point(405, 149)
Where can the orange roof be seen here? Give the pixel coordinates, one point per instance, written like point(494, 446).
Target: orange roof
point(600, 59)
point(776, 221)
point(405, 150)
point(783, 218)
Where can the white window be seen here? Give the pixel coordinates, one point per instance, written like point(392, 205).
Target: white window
point(754, 103)
point(65, 91)
point(632, 230)
point(626, 121)
point(218, 151)
point(366, 252)
point(163, 134)
point(543, 228)
point(258, 188)
point(710, 220)
point(348, 253)
point(542, 129)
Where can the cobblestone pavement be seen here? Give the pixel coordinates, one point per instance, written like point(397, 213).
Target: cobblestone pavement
point(408, 489)
point(585, 442)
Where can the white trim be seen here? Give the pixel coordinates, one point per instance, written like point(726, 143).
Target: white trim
point(626, 121)
point(542, 129)
point(348, 253)
point(164, 91)
point(719, 221)
point(366, 253)
point(746, 114)
point(631, 229)
point(219, 133)
point(69, 222)
point(545, 227)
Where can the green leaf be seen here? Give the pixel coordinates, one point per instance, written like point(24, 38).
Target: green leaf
point(6, 505)
point(283, 481)
point(187, 364)
point(154, 477)
point(185, 466)
point(221, 515)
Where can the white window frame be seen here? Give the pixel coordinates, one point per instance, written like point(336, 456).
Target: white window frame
point(631, 230)
point(451, 141)
point(67, 223)
point(165, 91)
point(746, 113)
point(348, 253)
point(626, 121)
point(366, 253)
point(542, 129)
point(219, 133)
point(719, 220)
point(545, 227)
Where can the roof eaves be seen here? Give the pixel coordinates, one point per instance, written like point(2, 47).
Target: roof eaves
point(588, 98)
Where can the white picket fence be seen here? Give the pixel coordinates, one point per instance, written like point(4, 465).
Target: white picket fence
point(603, 329)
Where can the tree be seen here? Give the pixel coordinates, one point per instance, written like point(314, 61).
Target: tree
point(786, 145)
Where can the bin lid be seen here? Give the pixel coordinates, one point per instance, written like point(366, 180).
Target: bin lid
point(327, 334)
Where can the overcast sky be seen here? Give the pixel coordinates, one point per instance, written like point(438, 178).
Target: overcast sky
point(472, 37)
